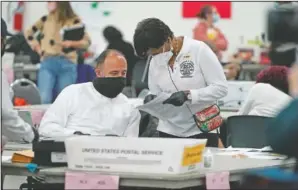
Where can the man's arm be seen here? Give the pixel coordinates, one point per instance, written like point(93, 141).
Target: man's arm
point(55, 119)
point(132, 129)
point(212, 71)
point(13, 127)
point(282, 132)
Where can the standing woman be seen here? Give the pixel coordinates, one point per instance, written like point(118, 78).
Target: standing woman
point(206, 31)
point(58, 68)
point(185, 68)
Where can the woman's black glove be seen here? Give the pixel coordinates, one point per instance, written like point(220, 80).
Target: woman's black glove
point(176, 99)
point(148, 98)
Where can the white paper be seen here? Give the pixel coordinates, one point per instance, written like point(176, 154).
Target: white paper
point(162, 111)
point(6, 158)
point(251, 153)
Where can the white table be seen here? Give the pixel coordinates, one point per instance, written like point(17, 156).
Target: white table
point(235, 166)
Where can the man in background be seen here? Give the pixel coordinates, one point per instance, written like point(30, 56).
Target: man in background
point(94, 108)
point(13, 127)
point(115, 41)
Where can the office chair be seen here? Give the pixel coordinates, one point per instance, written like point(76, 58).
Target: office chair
point(137, 76)
point(246, 131)
point(26, 89)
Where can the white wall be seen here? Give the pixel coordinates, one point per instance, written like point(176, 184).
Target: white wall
point(247, 18)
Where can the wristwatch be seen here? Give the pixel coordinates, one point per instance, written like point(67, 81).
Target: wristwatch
point(188, 95)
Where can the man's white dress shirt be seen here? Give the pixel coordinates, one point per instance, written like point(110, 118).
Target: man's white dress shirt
point(197, 69)
point(81, 108)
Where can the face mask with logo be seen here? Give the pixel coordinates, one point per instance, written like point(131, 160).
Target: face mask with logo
point(167, 54)
point(216, 17)
point(110, 86)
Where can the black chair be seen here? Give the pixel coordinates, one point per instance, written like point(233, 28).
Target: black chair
point(137, 76)
point(246, 131)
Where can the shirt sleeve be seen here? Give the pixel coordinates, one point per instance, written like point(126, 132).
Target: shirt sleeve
point(153, 87)
point(13, 126)
point(213, 74)
point(54, 122)
point(282, 132)
point(133, 127)
point(30, 32)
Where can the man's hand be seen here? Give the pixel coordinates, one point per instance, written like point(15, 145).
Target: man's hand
point(293, 81)
point(177, 99)
point(80, 133)
point(148, 98)
point(67, 44)
point(36, 134)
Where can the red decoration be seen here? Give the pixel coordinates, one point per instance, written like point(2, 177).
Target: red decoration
point(190, 9)
point(20, 101)
point(18, 17)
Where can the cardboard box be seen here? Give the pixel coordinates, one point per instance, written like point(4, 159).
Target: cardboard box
point(138, 155)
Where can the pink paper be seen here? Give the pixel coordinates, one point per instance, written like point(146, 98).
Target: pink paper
point(218, 180)
point(37, 116)
point(80, 180)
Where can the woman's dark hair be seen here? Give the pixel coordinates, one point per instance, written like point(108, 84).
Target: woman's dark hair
point(112, 34)
point(150, 33)
point(205, 10)
point(277, 76)
point(64, 11)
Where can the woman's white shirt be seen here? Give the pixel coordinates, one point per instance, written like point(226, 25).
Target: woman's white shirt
point(264, 100)
point(197, 69)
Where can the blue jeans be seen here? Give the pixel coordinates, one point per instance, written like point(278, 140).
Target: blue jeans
point(55, 72)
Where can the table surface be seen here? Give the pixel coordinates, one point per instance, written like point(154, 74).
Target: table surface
point(235, 166)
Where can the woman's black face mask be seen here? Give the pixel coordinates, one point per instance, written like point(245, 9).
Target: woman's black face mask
point(109, 86)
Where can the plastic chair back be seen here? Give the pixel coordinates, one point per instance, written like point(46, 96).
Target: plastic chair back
point(26, 89)
point(246, 131)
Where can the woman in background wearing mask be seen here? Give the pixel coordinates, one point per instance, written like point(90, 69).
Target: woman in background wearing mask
point(58, 67)
point(185, 69)
point(206, 31)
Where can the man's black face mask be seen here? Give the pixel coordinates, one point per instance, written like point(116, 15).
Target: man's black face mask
point(109, 87)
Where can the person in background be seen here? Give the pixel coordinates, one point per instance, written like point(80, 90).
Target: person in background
point(283, 130)
point(232, 71)
point(269, 95)
point(206, 31)
point(184, 68)
point(115, 41)
point(94, 108)
point(13, 127)
point(58, 68)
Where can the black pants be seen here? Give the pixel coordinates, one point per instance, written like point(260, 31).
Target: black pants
point(212, 138)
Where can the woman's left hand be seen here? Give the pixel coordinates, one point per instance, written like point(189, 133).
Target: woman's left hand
point(67, 44)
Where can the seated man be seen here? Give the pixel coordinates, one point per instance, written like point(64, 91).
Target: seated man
point(13, 127)
point(270, 95)
point(95, 108)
